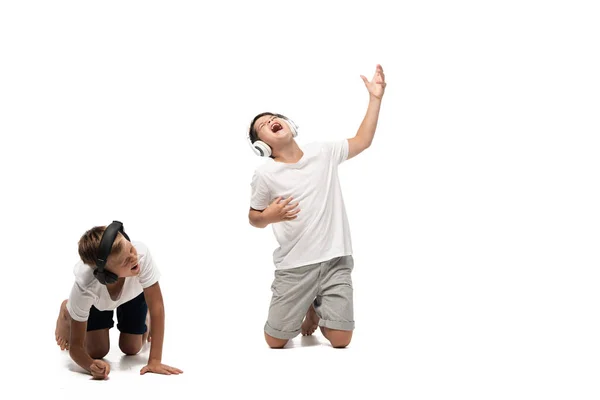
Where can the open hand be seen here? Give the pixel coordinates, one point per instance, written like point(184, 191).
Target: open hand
point(159, 368)
point(377, 85)
point(99, 369)
point(281, 210)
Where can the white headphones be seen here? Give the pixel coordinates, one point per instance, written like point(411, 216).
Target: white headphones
point(264, 150)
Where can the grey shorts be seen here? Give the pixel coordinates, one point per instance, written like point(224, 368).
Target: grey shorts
point(327, 285)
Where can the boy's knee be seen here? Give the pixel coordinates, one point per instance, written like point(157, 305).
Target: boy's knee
point(97, 352)
point(275, 343)
point(338, 339)
point(340, 343)
point(129, 348)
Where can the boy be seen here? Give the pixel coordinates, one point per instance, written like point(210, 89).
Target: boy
point(298, 191)
point(113, 273)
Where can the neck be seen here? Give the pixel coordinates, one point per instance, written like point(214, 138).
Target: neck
point(290, 154)
point(117, 283)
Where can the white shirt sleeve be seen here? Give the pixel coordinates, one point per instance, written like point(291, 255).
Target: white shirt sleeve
point(79, 303)
point(149, 273)
point(339, 150)
point(260, 196)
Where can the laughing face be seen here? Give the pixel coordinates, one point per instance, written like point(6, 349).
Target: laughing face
point(273, 130)
point(125, 262)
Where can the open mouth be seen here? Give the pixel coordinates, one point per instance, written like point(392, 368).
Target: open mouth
point(276, 127)
point(135, 267)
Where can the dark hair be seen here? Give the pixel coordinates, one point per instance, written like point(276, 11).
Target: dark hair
point(253, 135)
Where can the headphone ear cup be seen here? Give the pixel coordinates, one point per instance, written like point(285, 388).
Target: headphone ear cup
point(100, 276)
point(105, 277)
point(293, 127)
point(262, 148)
point(109, 277)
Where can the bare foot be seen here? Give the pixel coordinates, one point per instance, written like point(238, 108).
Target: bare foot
point(311, 322)
point(63, 327)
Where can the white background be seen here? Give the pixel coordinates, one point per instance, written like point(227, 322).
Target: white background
point(474, 215)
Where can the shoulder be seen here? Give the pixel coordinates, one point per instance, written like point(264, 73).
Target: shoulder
point(142, 250)
point(317, 148)
point(326, 145)
point(84, 274)
point(334, 145)
point(263, 169)
point(140, 247)
point(314, 146)
point(145, 258)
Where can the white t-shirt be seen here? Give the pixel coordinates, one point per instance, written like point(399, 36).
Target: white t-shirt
point(88, 292)
point(321, 230)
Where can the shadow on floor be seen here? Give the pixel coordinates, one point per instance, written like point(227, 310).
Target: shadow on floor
point(303, 341)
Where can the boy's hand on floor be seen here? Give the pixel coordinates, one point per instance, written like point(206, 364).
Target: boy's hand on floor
point(99, 369)
point(159, 368)
point(279, 211)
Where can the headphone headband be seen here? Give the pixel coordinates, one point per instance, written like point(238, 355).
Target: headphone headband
point(106, 243)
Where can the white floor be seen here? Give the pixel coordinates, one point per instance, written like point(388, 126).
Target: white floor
point(246, 368)
point(419, 362)
point(456, 333)
point(437, 332)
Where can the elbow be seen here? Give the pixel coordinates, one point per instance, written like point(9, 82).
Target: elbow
point(254, 220)
point(362, 143)
point(255, 224)
point(251, 221)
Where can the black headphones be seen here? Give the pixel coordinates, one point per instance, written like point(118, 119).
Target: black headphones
point(108, 238)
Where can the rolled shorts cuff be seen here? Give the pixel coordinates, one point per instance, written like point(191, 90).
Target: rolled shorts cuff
point(280, 334)
point(339, 325)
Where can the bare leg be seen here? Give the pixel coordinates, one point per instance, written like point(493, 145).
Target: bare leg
point(97, 343)
point(338, 339)
point(131, 344)
point(63, 327)
point(310, 323)
point(275, 343)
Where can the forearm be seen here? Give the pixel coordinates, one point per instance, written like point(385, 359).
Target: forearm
point(81, 357)
point(367, 128)
point(257, 219)
point(157, 328)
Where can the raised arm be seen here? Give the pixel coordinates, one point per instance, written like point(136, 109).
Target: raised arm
point(366, 131)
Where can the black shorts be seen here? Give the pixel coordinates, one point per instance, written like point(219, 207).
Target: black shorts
point(131, 317)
